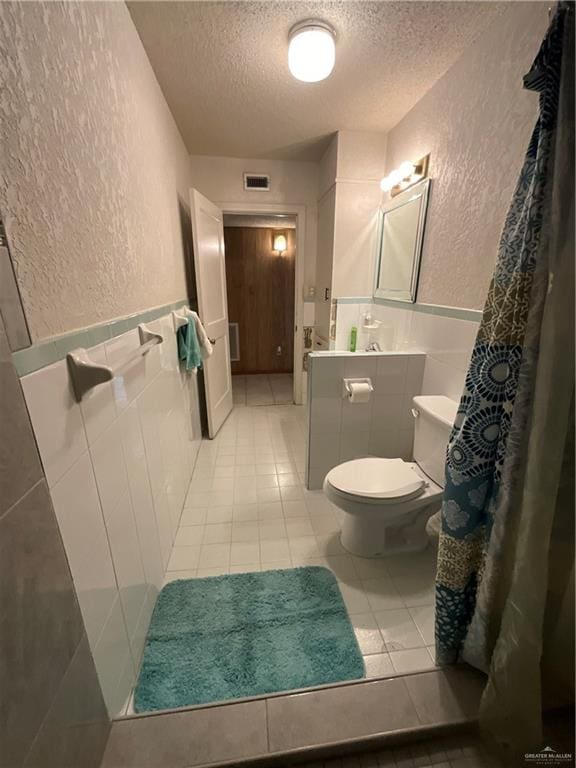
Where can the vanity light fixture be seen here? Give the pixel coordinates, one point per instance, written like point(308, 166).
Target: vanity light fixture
point(280, 244)
point(405, 176)
point(311, 50)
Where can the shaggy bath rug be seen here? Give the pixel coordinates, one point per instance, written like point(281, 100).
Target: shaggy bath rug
point(247, 634)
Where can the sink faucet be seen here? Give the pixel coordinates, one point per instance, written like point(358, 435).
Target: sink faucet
point(373, 347)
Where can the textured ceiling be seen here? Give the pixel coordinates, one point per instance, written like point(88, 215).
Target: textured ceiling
point(223, 68)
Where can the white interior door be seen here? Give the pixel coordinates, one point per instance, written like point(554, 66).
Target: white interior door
point(210, 266)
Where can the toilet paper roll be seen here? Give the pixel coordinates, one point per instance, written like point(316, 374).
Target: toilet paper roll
point(360, 392)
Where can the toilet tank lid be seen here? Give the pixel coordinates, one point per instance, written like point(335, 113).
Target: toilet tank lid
point(438, 407)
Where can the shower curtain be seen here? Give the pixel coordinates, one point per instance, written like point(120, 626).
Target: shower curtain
point(504, 456)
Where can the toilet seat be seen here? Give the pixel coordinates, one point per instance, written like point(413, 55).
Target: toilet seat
point(382, 481)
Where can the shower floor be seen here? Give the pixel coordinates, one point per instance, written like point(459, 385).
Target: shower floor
point(247, 509)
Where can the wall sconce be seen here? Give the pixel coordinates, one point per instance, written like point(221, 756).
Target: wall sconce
point(280, 244)
point(405, 176)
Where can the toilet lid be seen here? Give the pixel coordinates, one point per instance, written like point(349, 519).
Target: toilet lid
point(376, 478)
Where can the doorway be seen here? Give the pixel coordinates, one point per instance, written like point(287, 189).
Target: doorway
point(260, 275)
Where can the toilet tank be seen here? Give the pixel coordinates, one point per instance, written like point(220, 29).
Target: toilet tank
point(433, 419)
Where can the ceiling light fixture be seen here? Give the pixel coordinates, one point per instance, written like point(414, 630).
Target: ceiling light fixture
point(311, 51)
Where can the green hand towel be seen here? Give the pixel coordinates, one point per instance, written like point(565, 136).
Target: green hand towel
point(188, 346)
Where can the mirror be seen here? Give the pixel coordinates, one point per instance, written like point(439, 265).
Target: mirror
point(401, 233)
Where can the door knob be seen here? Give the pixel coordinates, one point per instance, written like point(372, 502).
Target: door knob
point(212, 341)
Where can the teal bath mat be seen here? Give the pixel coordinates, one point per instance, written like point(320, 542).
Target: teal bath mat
point(247, 634)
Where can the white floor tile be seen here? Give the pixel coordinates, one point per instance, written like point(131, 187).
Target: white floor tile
point(270, 510)
point(294, 509)
point(413, 660)
point(382, 594)
point(244, 512)
point(370, 568)
point(196, 516)
point(189, 536)
point(267, 481)
point(288, 480)
point(398, 630)
point(304, 546)
point(219, 515)
point(324, 524)
point(330, 544)
point(214, 556)
point(245, 531)
point(291, 493)
point(221, 484)
point(269, 530)
point(267, 495)
point(224, 471)
point(354, 597)
point(218, 533)
point(274, 550)
point(266, 469)
point(423, 617)
point(177, 575)
point(184, 558)
point(278, 565)
point(367, 633)
point(246, 568)
point(415, 588)
point(221, 570)
point(378, 665)
point(197, 499)
point(244, 552)
point(298, 527)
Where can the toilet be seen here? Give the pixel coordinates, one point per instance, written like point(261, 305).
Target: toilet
point(387, 502)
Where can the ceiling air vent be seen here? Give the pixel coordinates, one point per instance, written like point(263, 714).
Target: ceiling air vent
point(257, 181)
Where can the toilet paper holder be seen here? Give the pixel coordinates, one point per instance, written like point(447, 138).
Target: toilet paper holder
point(347, 390)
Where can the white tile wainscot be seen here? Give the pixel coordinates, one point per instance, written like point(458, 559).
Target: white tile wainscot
point(118, 465)
point(339, 430)
point(447, 340)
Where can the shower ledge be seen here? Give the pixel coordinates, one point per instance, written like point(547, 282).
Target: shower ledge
point(301, 726)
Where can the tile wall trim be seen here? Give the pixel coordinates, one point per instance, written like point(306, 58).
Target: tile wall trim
point(430, 309)
point(354, 300)
point(56, 348)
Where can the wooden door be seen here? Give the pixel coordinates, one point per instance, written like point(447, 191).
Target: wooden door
point(261, 298)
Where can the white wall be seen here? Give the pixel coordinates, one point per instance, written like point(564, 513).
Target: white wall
point(92, 166)
point(118, 467)
point(446, 341)
point(359, 168)
point(341, 431)
point(291, 182)
point(349, 198)
point(476, 123)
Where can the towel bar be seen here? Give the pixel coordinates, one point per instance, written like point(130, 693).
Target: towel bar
point(179, 319)
point(86, 374)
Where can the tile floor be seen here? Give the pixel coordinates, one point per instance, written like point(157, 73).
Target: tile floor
point(247, 509)
point(263, 389)
point(455, 751)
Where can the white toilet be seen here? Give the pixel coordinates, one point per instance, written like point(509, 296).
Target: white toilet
point(387, 502)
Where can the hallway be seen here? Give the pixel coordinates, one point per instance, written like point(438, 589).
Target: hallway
point(263, 389)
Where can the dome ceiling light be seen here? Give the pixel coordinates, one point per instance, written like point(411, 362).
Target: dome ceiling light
point(311, 51)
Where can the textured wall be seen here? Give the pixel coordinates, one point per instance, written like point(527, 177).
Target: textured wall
point(292, 182)
point(91, 165)
point(476, 123)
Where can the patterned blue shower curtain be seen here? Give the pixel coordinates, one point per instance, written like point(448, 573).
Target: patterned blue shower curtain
point(486, 446)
